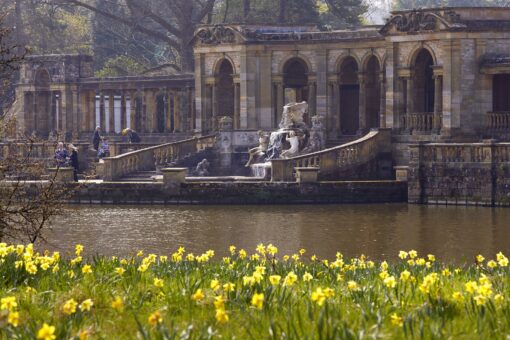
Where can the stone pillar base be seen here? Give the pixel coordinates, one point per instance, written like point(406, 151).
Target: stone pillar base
point(401, 173)
point(174, 176)
point(307, 175)
point(62, 174)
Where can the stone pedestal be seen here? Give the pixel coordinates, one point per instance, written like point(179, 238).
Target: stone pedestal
point(62, 174)
point(174, 176)
point(401, 173)
point(307, 175)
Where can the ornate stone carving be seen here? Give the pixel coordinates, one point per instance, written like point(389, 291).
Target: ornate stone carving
point(419, 20)
point(218, 34)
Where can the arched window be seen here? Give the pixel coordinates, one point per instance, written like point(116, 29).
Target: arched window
point(423, 82)
point(349, 96)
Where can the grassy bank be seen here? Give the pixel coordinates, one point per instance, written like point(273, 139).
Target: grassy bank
point(259, 295)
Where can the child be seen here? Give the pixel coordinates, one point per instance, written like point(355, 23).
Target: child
point(104, 149)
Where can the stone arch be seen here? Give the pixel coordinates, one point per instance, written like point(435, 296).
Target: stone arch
point(42, 117)
point(217, 64)
point(42, 78)
point(225, 88)
point(349, 95)
point(416, 50)
point(341, 58)
point(299, 56)
point(367, 57)
point(295, 74)
point(423, 82)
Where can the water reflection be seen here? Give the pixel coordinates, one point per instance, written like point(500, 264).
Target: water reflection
point(379, 231)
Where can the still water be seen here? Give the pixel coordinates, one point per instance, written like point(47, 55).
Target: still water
point(379, 231)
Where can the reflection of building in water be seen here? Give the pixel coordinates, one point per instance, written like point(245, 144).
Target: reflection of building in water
point(427, 74)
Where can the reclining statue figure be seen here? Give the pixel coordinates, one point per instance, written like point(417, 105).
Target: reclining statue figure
point(258, 152)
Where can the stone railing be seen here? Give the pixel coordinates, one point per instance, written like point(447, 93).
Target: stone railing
point(498, 121)
point(422, 122)
point(149, 158)
point(335, 160)
point(460, 173)
point(460, 152)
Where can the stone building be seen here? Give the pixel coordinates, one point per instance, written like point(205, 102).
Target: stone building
point(58, 93)
point(428, 75)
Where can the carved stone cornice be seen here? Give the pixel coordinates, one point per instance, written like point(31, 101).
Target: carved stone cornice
point(422, 21)
point(217, 34)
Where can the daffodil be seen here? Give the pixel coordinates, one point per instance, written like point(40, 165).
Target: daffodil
point(198, 296)
point(9, 303)
point(13, 318)
point(257, 300)
point(155, 318)
point(69, 307)
point(396, 320)
point(46, 332)
point(87, 269)
point(86, 305)
point(221, 315)
point(118, 304)
point(275, 279)
point(158, 282)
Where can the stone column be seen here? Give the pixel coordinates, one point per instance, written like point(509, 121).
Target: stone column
point(438, 102)
point(362, 102)
point(132, 111)
point(312, 100)
point(168, 110)
point(177, 111)
point(102, 111)
point(75, 113)
point(279, 102)
point(123, 111)
point(382, 104)
point(409, 95)
point(237, 105)
point(214, 100)
point(111, 109)
point(338, 108)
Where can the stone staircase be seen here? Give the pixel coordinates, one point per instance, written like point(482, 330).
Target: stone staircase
point(142, 165)
point(331, 143)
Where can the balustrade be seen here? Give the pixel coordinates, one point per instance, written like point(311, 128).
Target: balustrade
point(151, 157)
point(422, 122)
point(498, 121)
point(464, 152)
point(333, 160)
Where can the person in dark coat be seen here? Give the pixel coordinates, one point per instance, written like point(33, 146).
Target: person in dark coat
point(97, 138)
point(74, 161)
point(133, 136)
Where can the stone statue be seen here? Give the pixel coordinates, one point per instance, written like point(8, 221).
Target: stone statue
point(226, 123)
point(202, 168)
point(259, 151)
point(314, 145)
point(293, 140)
point(292, 116)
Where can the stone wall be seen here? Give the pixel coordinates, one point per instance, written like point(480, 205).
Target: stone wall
point(243, 193)
point(462, 174)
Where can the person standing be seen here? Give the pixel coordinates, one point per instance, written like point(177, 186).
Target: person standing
point(61, 155)
point(97, 138)
point(74, 161)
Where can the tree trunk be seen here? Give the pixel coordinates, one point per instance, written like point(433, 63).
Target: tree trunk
point(283, 9)
point(246, 8)
point(20, 33)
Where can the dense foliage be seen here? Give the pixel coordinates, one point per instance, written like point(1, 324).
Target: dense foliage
point(261, 295)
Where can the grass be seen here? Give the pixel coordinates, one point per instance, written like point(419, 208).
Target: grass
point(262, 295)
